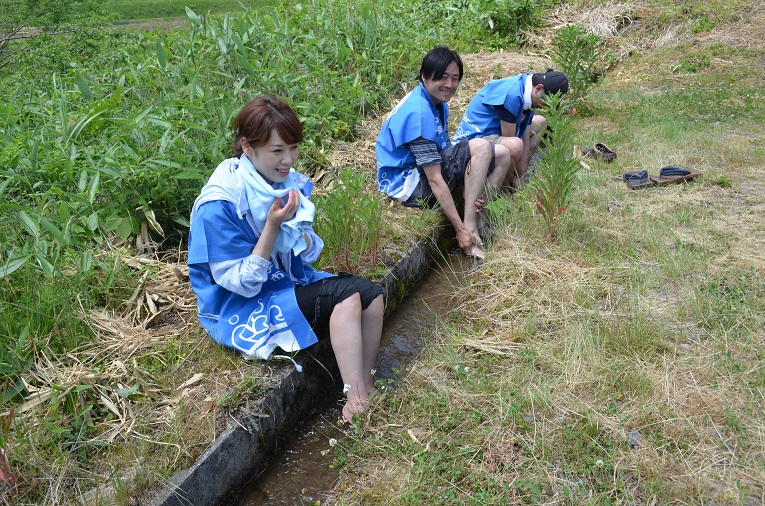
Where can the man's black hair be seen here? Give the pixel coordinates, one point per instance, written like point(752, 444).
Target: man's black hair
point(435, 62)
point(553, 81)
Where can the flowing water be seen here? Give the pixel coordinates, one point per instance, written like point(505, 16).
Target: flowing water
point(302, 472)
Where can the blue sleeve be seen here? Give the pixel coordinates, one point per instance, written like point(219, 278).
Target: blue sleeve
point(217, 234)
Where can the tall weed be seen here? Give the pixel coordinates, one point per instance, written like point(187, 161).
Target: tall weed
point(554, 179)
point(582, 56)
point(349, 219)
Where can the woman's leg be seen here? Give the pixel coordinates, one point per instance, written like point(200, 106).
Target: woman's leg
point(371, 331)
point(345, 334)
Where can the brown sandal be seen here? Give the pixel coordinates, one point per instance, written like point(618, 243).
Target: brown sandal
point(670, 175)
point(600, 152)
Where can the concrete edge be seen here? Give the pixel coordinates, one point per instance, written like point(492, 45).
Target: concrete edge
point(243, 451)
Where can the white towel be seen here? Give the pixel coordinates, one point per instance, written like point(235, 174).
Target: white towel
point(260, 195)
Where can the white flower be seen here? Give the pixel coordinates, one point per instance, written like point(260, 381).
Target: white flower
point(374, 371)
point(346, 389)
point(332, 441)
point(599, 463)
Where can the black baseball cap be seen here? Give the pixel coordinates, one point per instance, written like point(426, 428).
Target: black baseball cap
point(555, 82)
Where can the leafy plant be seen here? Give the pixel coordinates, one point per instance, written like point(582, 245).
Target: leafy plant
point(495, 23)
point(554, 178)
point(582, 56)
point(349, 219)
point(46, 17)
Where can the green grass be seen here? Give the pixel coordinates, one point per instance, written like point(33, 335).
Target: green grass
point(135, 10)
point(644, 313)
point(642, 323)
point(106, 137)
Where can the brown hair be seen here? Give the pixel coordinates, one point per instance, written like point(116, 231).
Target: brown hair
point(259, 117)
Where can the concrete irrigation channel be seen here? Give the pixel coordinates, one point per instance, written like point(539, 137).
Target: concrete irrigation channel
point(249, 443)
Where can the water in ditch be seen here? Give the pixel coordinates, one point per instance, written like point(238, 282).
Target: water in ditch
point(302, 472)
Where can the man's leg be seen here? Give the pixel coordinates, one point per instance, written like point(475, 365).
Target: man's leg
point(476, 174)
point(494, 180)
point(531, 139)
point(514, 146)
point(503, 164)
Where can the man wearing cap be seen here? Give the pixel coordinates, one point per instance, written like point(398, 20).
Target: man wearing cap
point(503, 110)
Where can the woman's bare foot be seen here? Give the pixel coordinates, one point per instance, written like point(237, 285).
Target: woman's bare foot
point(352, 408)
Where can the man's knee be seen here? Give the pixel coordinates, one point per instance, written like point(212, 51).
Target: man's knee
point(540, 122)
point(480, 148)
point(501, 154)
point(514, 145)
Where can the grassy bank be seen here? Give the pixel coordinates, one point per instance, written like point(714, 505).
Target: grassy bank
point(622, 363)
point(108, 385)
point(135, 10)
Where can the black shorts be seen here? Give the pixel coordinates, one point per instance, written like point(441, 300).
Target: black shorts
point(454, 163)
point(317, 300)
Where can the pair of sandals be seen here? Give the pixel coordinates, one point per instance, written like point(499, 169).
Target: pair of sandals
point(600, 152)
point(667, 175)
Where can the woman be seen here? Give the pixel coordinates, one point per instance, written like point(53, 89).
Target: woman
point(250, 248)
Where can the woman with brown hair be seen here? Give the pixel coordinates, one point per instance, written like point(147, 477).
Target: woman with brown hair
point(251, 244)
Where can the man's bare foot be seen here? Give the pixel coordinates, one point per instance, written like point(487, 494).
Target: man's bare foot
point(475, 251)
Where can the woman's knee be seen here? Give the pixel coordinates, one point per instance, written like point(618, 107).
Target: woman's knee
point(376, 307)
point(348, 307)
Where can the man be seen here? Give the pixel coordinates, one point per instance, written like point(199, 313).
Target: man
point(503, 111)
point(416, 164)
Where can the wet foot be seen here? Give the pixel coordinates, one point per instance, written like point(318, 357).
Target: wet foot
point(351, 409)
point(475, 252)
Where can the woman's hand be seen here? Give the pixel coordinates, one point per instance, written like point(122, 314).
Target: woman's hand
point(280, 211)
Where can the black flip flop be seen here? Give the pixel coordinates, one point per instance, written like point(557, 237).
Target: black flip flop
point(606, 153)
point(637, 180)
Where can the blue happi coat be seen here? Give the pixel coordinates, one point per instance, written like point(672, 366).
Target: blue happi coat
point(481, 117)
point(223, 229)
point(415, 116)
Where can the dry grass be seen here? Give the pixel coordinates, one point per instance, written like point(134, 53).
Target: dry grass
point(622, 364)
point(592, 349)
